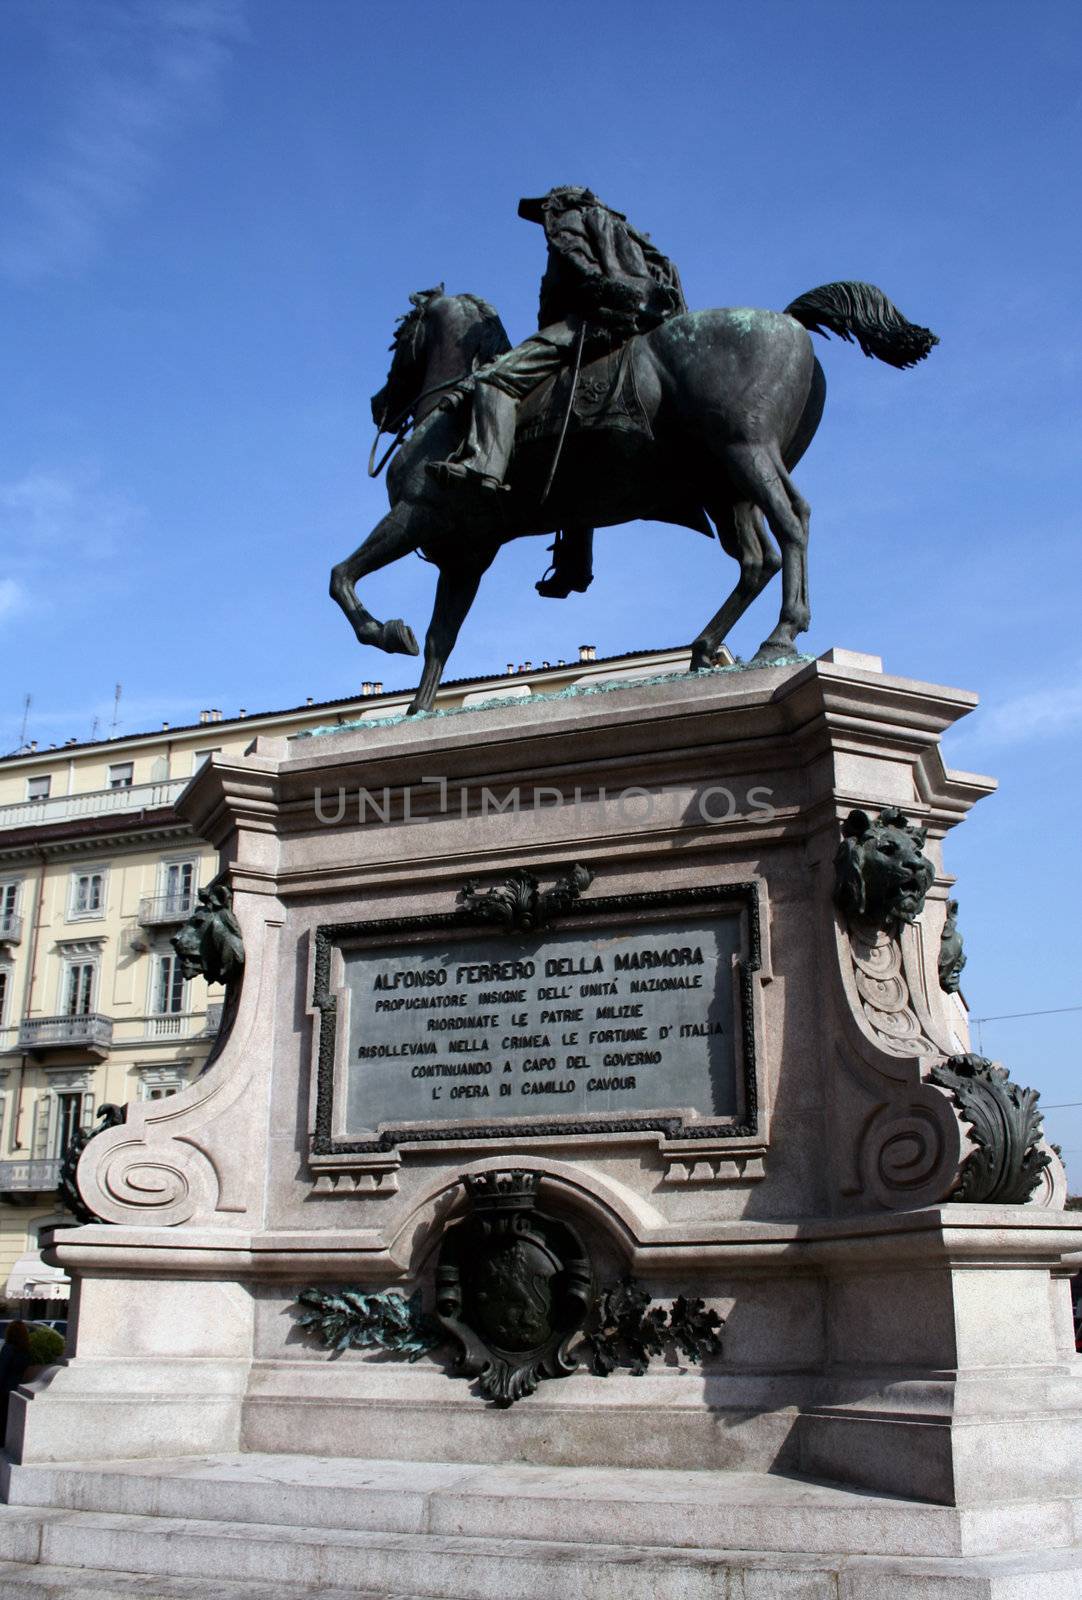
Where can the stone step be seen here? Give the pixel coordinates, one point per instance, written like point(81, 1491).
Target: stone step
point(685, 1510)
point(299, 1563)
point(21, 1582)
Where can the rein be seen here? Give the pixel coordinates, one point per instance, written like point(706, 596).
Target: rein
point(402, 423)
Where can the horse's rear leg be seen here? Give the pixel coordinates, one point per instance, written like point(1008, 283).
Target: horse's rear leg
point(455, 594)
point(744, 538)
point(389, 539)
point(758, 471)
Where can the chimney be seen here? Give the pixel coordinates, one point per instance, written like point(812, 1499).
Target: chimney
point(510, 667)
point(377, 687)
point(528, 667)
point(204, 716)
point(561, 662)
point(242, 712)
point(309, 701)
point(165, 727)
point(366, 686)
point(33, 744)
point(587, 652)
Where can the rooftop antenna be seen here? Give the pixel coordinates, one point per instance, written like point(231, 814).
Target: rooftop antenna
point(26, 719)
point(94, 730)
point(116, 710)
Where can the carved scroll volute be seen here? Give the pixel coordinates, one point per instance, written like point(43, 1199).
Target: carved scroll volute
point(900, 1139)
point(922, 1123)
point(908, 1149)
point(124, 1176)
point(195, 1155)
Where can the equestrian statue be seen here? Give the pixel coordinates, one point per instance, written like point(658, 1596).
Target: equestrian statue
point(623, 405)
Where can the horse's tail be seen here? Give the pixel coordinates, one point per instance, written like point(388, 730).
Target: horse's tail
point(861, 311)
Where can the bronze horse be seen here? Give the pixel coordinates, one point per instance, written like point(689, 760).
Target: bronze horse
point(730, 400)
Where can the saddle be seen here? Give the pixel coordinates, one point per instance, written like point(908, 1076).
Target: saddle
point(606, 396)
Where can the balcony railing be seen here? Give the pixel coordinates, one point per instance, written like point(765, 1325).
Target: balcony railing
point(29, 1177)
point(11, 928)
point(158, 909)
point(88, 1032)
point(98, 802)
point(167, 1027)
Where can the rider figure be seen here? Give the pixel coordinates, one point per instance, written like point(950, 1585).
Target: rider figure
point(603, 279)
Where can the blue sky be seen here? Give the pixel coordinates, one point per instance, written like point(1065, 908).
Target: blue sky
point(212, 212)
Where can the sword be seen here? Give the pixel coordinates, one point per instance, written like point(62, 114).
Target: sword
point(567, 413)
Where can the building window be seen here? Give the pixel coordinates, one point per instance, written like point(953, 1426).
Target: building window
point(178, 885)
point(69, 1121)
point(87, 894)
point(78, 998)
point(38, 788)
point(60, 1113)
point(169, 987)
point(203, 756)
point(159, 1082)
point(121, 774)
point(5, 985)
point(9, 908)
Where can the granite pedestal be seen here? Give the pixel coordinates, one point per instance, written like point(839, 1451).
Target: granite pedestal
point(897, 1408)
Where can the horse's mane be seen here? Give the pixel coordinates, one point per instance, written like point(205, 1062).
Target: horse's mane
point(482, 338)
point(488, 338)
point(485, 340)
point(406, 326)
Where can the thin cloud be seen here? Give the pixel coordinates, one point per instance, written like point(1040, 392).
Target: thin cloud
point(51, 514)
point(1033, 714)
point(12, 598)
point(144, 74)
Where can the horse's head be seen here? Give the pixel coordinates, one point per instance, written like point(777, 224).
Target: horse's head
point(407, 368)
point(459, 332)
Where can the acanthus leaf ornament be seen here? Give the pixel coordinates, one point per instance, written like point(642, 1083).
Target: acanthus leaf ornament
point(353, 1319)
point(1005, 1125)
point(68, 1191)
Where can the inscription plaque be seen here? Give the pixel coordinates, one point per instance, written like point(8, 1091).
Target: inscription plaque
point(568, 1022)
point(632, 1021)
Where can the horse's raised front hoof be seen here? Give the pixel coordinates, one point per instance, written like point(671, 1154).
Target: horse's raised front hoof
point(398, 638)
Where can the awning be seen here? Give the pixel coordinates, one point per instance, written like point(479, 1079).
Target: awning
point(31, 1279)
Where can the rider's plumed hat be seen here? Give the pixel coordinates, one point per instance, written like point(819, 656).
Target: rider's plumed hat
point(533, 210)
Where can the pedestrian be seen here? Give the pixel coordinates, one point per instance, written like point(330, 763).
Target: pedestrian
point(15, 1358)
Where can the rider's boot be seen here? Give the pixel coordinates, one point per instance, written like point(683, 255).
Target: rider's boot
point(482, 460)
point(572, 564)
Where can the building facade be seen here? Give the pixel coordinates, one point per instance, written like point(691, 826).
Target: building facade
point(97, 872)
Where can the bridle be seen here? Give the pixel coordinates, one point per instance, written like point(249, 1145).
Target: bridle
point(402, 423)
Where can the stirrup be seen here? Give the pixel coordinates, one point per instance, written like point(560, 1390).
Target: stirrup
point(558, 585)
